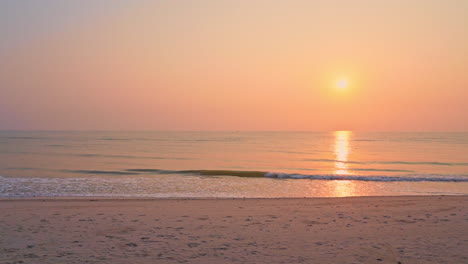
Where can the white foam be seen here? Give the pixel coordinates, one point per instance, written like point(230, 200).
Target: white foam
point(405, 178)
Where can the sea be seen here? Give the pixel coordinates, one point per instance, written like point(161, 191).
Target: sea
point(232, 164)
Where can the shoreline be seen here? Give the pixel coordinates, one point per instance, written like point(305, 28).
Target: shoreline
point(368, 229)
point(122, 198)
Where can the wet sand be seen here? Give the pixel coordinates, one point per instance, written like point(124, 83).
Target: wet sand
point(417, 229)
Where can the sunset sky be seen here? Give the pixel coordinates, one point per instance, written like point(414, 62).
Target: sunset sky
point(365, 65)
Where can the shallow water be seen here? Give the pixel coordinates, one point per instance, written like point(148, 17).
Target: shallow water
point(232, 164)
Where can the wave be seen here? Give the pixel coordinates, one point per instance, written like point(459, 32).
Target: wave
point(376, 178)
point(254, 174)
point(19, 137)
point(275, 175)
point(100, 172)
point(279, 175)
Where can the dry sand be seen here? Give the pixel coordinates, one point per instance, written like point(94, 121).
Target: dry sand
point(431, 229)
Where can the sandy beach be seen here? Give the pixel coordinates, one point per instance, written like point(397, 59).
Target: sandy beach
point(417, 229)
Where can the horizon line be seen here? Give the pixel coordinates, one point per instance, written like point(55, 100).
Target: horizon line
point(186, 130)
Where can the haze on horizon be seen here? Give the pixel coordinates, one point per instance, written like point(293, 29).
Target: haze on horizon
point(234, 65)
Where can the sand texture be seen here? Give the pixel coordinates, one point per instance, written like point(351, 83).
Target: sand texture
point(418, 229)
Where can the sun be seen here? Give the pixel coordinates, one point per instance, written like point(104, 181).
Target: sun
point(342, 84)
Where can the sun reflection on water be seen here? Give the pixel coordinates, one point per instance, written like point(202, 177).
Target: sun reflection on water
point(342, 149)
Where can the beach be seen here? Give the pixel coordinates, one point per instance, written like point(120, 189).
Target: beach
point(212, 132)
point(398, 229)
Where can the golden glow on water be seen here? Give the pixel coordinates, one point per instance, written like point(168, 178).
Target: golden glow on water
point(343, 188)
point(342, 150)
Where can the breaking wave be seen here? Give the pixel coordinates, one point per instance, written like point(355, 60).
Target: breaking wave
point(377, 178)
point(280, 175)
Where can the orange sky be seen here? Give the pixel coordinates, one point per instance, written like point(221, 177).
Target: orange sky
point(234, 65)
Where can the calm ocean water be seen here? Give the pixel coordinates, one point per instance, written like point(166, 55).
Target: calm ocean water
point(232, 164)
